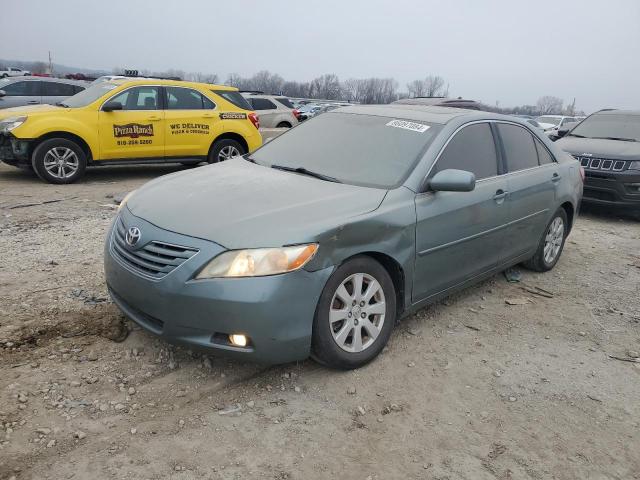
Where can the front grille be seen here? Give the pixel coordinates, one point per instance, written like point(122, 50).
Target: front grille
point(601, 163)
point(155, 259)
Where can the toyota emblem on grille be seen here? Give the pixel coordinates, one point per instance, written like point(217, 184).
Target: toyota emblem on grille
point(133, 236)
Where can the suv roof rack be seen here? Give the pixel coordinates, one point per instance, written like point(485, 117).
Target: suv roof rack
point(135, 74)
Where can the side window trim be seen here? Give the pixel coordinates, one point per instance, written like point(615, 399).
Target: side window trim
point(535, 141)
point(165, 99)
point(159, 107)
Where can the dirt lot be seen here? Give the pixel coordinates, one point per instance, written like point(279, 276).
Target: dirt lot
point(470, 388)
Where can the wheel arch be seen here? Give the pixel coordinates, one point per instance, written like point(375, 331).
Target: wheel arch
point(570, 211)
point(230, 136)
point(68, 136)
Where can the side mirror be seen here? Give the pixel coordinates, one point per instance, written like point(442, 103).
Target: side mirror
point(2, 93)
point(111, 106)
point(453, 181)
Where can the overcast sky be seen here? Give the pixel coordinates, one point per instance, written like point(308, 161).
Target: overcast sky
point(509, 51)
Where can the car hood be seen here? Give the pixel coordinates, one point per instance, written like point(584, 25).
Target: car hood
point(601, 148)
point(238, 204)
point(27, 110)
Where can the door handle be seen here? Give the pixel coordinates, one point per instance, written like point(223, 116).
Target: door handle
point(500, 195)
point(33, 102)
point(556, 177)
point(154, 118)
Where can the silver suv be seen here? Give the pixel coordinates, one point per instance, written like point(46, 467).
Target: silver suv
point(273, 111)
point(21, 91)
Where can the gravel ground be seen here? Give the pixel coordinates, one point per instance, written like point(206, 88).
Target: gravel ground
point(469, 388)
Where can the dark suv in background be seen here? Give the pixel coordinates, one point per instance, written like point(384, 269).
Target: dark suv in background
point(607, 144)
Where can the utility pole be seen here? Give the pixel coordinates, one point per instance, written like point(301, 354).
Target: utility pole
point(50, 72)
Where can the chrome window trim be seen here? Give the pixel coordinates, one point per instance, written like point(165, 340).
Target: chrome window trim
point(126, 90)
point(215, 105)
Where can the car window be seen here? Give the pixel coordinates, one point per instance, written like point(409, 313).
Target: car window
point(186, 99)
point(285, 101)
point(18, 89)
point(544, 157)
point(262, 104)
point(519, 149)
point(471, 149)
point(55, 89)
point(365, 150)
point(138, 98)
point(234, 97)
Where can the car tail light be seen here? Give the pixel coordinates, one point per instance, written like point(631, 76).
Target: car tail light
point(296, 114)
point(582, 173)
point(254, 119)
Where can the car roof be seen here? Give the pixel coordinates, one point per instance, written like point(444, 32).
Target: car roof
point(552, 116)
point(177, 83)
point(45, 79)
point(425, 113)
point(618, 112)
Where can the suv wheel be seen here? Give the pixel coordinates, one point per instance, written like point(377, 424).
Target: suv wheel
point(551, 243)
point(59, 161)
point(355, 315)
point(224, 150)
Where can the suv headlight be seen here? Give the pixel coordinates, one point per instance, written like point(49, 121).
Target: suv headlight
point(258, 262)
point(10, 123)
point(635, 165)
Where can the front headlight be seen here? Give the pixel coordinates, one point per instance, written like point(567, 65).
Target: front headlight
point(259, 261)
point(635, 165)
point(10, 123)
point(125, 199)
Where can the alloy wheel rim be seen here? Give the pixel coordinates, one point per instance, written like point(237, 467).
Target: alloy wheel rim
point(61, 162)
point(553, 240)
point(357, 312)
point(228, 152)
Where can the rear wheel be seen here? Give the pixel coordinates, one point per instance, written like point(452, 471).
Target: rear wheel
point(59, 161)
point(283, 125)
point(355, 315)
point(224, 150)
point(551, 243)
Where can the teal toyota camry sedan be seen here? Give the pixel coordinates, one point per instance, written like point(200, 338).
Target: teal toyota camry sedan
point(317, 243)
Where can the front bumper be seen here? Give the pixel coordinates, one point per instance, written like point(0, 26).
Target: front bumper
point(275, 312)
point(620, 190)
point(14, 151)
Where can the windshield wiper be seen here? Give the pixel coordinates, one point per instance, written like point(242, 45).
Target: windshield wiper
point(304, 171)
point(622, 139)
point(575, 135)
point(60, 104)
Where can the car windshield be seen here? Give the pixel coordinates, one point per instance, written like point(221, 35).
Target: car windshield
point(90, 95)
point(609, 125)
point(365, 150)
point(552, 120)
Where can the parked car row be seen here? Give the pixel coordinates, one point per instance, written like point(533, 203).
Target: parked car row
point(20, 91)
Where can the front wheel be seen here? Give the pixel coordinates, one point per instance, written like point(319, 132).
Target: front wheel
point(355, 315)
point(551, 243)
point(225, 149)
point(59, 161)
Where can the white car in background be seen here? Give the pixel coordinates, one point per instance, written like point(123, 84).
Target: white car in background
point(13, 72)
point(554, 122)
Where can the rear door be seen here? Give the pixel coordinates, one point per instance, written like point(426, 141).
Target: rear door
point(266, 110)
point(460, 235)
point(136, 131)
point(20, 93)
point(192, 123)
point(54, 92)
point(532, 178)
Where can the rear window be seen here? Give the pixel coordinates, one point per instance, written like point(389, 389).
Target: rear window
point(262, 104)
point(286, 102)
point(233, 97)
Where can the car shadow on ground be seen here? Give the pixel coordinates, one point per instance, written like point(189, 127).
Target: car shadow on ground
point(596, 212)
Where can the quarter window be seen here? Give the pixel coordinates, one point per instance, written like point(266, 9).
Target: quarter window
point(186, 99)
point(22, 89)
point(544, 157)
point(519, 148)
point(139, 98)
point(262, 104)
point(471, 149)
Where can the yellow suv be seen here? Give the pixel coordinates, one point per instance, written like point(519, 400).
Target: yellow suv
point(129, 121)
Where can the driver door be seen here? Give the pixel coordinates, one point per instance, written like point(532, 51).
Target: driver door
point(135, 131)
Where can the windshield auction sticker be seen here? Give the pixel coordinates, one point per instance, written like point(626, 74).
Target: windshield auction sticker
point(414, 127)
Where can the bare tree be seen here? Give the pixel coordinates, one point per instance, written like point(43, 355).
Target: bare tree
point(203, 77)
point(417, 88)
point(549, 105)
point(233, 80)
point(434, 86)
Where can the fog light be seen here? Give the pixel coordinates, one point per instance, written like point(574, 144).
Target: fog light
point(238, 340)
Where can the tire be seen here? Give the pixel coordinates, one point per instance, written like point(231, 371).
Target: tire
point(220, 147)
point(53, 150)
point(283, 125)
point(541, 262)
point(4, 75)
point(335, 344)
